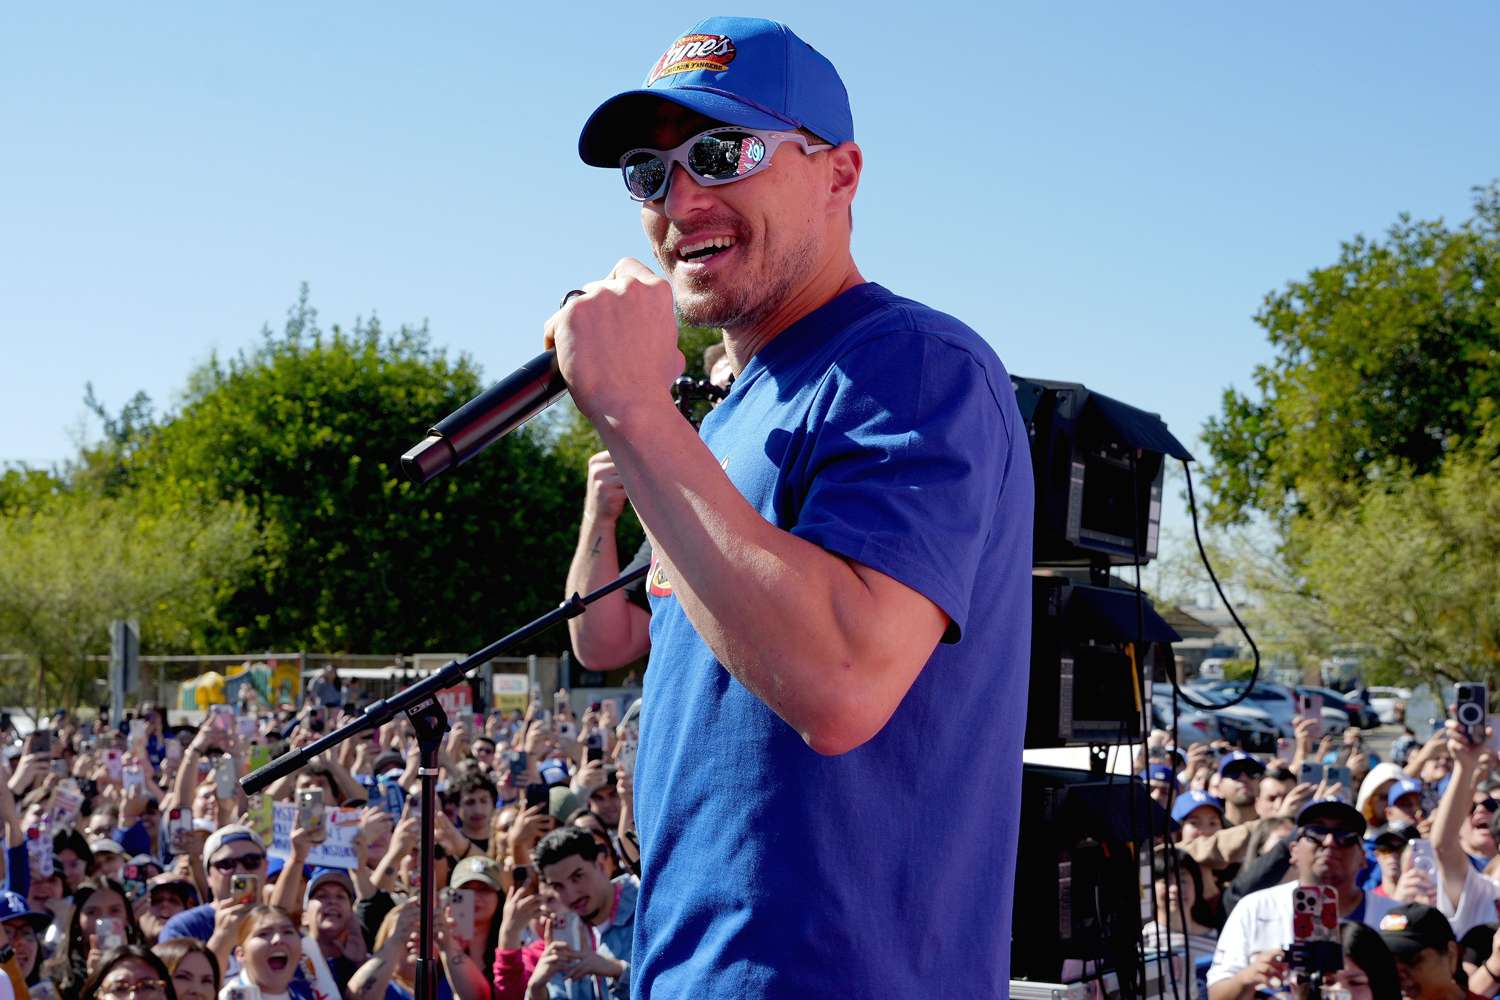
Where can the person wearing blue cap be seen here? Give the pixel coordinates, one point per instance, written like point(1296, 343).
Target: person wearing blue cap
point(860, 501)
point(1199, 814)
point(1404, 803)
point(1162, 782)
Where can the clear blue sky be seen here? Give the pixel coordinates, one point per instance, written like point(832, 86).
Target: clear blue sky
point(1104, 191)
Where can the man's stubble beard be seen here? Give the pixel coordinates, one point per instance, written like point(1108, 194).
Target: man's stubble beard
point(750, 300)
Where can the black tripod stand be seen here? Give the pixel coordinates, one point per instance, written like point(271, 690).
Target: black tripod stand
point(420, 705)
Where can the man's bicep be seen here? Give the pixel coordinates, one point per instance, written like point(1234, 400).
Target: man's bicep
point(900, 628)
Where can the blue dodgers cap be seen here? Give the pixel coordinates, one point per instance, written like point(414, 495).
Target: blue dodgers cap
point(743, 71)
point(15, 907)
point(1159, 772)
point(1194, 800)
point(1248, 762)
point(1406, 786)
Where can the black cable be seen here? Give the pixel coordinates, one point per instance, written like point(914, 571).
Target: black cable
point(1146, 687)
point(1254, 649)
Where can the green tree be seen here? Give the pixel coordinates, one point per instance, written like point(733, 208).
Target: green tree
point(307, 430)
point(1412, 573)
point(1381, 361)
point(74, 562)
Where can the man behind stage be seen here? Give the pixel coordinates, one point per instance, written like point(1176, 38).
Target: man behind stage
point(841, 589)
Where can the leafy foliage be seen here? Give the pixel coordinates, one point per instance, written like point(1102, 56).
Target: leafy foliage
point(307, 430)
point(71, 564)
point(1412, 574)
point(1381, 363)
point(1369, 458)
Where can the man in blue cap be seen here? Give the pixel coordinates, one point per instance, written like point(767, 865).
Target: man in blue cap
point(840, 589)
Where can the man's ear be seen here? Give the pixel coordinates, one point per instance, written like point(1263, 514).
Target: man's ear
point(846, 162)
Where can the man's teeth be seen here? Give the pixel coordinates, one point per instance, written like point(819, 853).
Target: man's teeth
point(704, 247)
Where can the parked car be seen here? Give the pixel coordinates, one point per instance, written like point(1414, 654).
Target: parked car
point(1242, 725)
point(1359, 714)
point(1383, 700)
point(1277, 701)
point(1193, 726)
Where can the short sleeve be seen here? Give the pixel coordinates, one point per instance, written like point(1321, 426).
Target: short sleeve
point(904, 460)
point(1232, 952)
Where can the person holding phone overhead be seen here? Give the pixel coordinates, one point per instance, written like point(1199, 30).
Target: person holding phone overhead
point(841, 580)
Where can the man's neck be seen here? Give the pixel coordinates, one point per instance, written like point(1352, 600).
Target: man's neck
point(1350, 899)
point(607, 911)
point(834, 279)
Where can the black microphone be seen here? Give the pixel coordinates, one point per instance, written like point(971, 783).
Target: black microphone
point(487, 418)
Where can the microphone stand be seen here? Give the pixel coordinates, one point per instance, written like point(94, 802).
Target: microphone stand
point(420, 705)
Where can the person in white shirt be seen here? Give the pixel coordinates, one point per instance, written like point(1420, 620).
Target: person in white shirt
point(1327, 850)
point(1463, 895)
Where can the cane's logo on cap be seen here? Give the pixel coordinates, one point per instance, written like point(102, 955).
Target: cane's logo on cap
point(1393, 922)
point(691, 53)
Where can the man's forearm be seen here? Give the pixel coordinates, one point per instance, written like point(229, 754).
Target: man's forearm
point(606, 637)
point(1452, 811)
point(799, 626)
point(1233, 988)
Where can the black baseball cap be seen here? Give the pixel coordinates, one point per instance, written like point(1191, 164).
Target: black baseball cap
point(1409, 928)
point(1331, 809)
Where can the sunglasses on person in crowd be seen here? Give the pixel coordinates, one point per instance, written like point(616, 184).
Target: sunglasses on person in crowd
point(1318, 834)
point(244, 862)
point(1488, 805)
point(717, 156)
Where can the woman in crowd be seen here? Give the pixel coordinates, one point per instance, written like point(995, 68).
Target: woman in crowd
point(192, 967)
point(1182, 916)
point(1369, 971)
point(269, 951)
point(101, 916)
point(129, 973)
point(23, 927)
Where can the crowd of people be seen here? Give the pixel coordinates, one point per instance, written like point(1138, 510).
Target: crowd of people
point(1406, 848)
point(137, 869)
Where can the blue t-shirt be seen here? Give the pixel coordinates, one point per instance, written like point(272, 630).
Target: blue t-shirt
point(196, 923)
point(886, 433)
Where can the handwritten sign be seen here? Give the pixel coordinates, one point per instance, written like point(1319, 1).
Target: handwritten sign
point(336, 851)
point(512, 691)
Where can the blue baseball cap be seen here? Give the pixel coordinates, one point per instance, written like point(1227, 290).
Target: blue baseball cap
point(1159, 772)
point(1406, 786)
point(13, 906)
point(1194, 800)
point(743, 71)
point(1240, 757)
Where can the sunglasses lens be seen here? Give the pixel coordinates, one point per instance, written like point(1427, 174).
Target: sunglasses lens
point(725, 155)
point(645, 173)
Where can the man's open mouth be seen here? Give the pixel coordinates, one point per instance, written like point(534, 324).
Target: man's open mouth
point(704, 248)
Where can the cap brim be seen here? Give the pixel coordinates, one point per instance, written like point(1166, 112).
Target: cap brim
point(1334, 810)
point(624, 122)
point(39, 921)
point(475, 877)
point(1403, 945)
